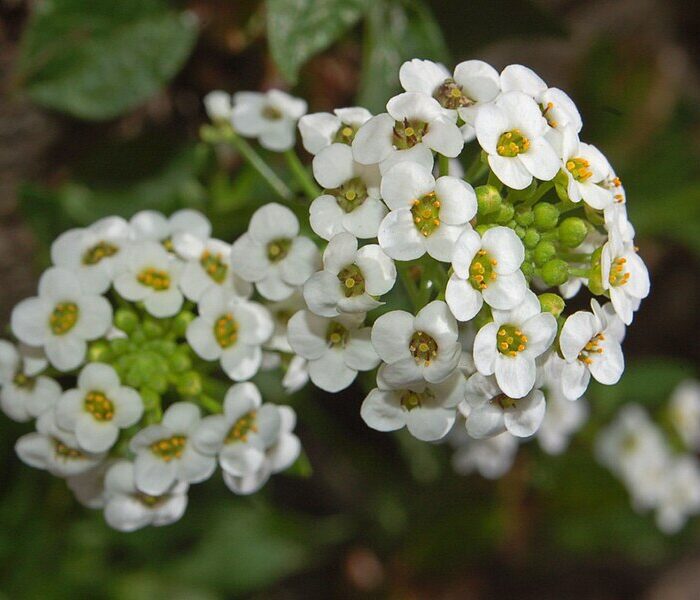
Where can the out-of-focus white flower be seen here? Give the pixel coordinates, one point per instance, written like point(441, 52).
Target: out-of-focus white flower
point(684, 412)
point(491, 457)
point(319, 130)
point(152, 226)
point(219, 106)
point(679, 495)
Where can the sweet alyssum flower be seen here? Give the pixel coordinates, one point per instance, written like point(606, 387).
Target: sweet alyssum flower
point(350, 202)
point(491, 457)
point(352, 280)
point(461, 93)
point(151, 275)
point(486, 268)
point(270, 117)
point(152, 226)
point(98, 408)
point(509, 345)
point(511, 130)
point(231, 330)
point(93, 253)
point(272, 254)
point(24, 392)
point(413, 127)
point(281, 312)
point(336, 348)
point(679, 494)
point(319, 130)
point(684, 412)
point(624, 276)
point(61, 318)
point(127, 508)
point(427, 410)
point(165, 453)
point(427, 215)
point(420, 348)
point(562, 418)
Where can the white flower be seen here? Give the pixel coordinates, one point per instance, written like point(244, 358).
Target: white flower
point(93, 253)
point(24, 393)
point(486, 268)
point(165, 453)
point(426, 215)
point(336, 348)
point(280, 454)
point(350, 201)
point(208, 263)
point(151, 275)
point(511, 131)
point(127, 508)
point(55, 449)
point(219, 106)
point(272, 254)
point(296, 375)
point(586, 169)
point(351, 280)
point(562, 418)
point(152, 226)
point(230, 330)
point(624, 276)
point(590, 344)
point(319, 130)
point(98, 408)
point(489, 411)
point(491, 457)
point(89, 487)
point(424, 347)
point(270, 117)
point(509, 345)
point(472, 84)
point(679, 495)
point(556, 106)
point(61, 318)
point(413, 126)
point(427, 410)
point(281, 312)
point(684, 412)
point(617, 224)
point(240, 436)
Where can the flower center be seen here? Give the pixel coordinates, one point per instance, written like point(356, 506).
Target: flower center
point(167, 243)
point(99, 406)
point(592, 347)
point(24, 382)
point(271, 113)
point(504, 402)
point(65, 451)
point(511, 143)
point(510, 340)
point(337, 335)
point(155, 279)
point(345, 135)
point(101, 250)
point(618, 276)
point(423, 347)
point(481, 271)
point(410, 399)
point(408, 133)
point(547, 108)
point(226, 330)
point(426, 214)
point(350, 195)
point(352, 280)
point(278, 249)
point(450, 95)
point(148, 500)
point(63, 318)
point(214, 266)
point(169, 448)
point(578, 167)
point(241, 428)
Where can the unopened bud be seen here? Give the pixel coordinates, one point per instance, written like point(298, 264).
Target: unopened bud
point(544, 252)
point(552, 303)
point(126, 320)
point(189, 384)
point(546, 216)
point(488, 199)
point(505, 214)
point(99, 351)
point(524, 217)
point(572, 231)
point(532, 238)
point(181, 321)
point(555, 272)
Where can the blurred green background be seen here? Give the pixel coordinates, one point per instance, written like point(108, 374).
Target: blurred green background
point(99, 113)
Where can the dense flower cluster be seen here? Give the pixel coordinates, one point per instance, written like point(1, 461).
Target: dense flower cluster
point(473, 190)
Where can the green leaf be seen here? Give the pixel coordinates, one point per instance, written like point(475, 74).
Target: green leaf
point(299, 29)
point(396, 31)
point(97, 59)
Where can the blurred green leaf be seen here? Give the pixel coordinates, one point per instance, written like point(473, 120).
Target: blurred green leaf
point(97, 59)
point(299, 29)
point(396, 31)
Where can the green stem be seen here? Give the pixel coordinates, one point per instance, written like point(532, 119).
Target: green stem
point(209, 404)
point(580, 272)
point(301, 174)
point(494, 181)
point(541, 191)
point(567, 206)
point(575, 257)
point(476, 170)
point(409, 284)
point(444, 165)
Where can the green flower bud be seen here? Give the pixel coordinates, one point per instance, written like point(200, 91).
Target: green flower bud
point(488, 199)
point(152, 328)
point(552, 303)
point(134, 378)
point(151, 399)
point(546, 216)
point(555, 272)
point(544, 252)
point(482, 229)
point(99, 351)
point(126, 320)
point(520, 231)
point(528, 269)
point(524, 217)
point(595, 279)
point(181, 321)
point(179, 361)
point(572, 231)
point(505, 214)
point(120, 346)
point(189, 384)
point(138, 337)
point(532, 238)
point(158, 382)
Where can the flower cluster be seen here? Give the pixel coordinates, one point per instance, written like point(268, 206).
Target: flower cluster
point(127, 319)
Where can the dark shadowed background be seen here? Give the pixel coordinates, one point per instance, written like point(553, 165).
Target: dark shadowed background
point(99, 114)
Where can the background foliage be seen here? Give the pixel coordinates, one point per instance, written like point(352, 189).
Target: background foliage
point(99, 114)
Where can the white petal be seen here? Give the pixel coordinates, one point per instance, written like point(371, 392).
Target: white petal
point(330, 373)
point(444, 137)
point(318, 130)
point(391, 335)
point(515, 375)
point(507, 291)
point(209, 435)
point(65, 352)
point(485, 351)
point(490, 123)
point(326, 216)
point(373, 141)
point(441, 243)
point(364, 221)
point(381, 410)
point(322, 292)
point(200, 335)
point(479, 80)
point(404, 183)
point(430, 425)
point(273, 287)
point(464, 301)
point(307, 334)
point(164, 304)
point(94, 436)
point(457, 200)
point(399, 237)
point(465, 249)
point(98, 377)
point(526, 419)
point(504, 244)
point(540, 331)
point(523, 79)
point(273, 221)
point(249, 259)
point(241, 362)
point(181, 417)
point(540, 159)
point(377, 268)
point(30, 321)
point(422, 76)
point(339, 253)
point(486, 421)
point(577, 331)
point(333, 166)
point(152, 475)
point(574, 380)
point(241, 459)
point(510, 171)
point(195, 467)
point(359, 352)
point(607, 368)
